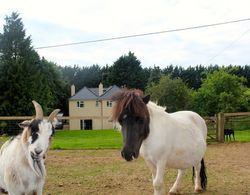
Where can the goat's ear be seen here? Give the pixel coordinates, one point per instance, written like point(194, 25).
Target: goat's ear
point(146, 99)
point(54, 122)
point(24, 124)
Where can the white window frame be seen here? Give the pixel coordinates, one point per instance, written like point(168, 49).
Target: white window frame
point(109, 103)
point(80, 104)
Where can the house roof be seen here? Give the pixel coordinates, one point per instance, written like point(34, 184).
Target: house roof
point(109, 92)
point(93, 93)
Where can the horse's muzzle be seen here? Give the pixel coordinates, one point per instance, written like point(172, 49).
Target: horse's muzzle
point(128, 156)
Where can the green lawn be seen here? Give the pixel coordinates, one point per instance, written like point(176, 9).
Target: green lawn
point(96, 139)
point(102, 139)
point(242, 135)
point(3, 139)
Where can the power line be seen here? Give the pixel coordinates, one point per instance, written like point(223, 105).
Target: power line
point(144, 34)
point(228, 46)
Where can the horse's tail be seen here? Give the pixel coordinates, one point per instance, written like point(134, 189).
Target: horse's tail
point(203, 175)
point(193, 175)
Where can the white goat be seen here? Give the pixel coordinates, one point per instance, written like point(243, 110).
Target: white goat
point(22, 169)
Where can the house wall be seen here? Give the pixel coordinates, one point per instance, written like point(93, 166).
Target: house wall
point(100, 115)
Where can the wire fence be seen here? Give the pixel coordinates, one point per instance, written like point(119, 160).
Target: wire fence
point(238, 123)
point(10, 125)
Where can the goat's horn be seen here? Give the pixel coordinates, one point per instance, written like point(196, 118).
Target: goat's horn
point(53, 115)
point(39, 110)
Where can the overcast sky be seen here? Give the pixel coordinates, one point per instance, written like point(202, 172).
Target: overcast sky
point(53, 22)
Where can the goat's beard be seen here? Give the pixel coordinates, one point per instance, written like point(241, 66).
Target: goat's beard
point(37, 165)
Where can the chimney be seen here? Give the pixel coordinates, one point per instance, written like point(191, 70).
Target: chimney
point(100, 89)
point(73, 90)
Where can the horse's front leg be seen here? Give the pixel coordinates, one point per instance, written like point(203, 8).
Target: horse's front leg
point(176, 186)
point(158, 179)
point(152, 168)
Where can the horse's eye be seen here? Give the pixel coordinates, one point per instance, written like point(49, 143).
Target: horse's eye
point(122, 118)
point(139, 119)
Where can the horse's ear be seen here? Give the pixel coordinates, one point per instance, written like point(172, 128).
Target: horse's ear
point(146, 99)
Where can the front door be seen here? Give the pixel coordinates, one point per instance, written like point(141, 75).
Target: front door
point(87, 124)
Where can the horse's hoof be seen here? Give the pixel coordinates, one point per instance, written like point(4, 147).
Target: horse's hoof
point(198, 191)
point(174, 193)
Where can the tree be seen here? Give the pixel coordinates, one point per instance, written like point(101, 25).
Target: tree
point(193, 76)
point(154, 75)
point(19, 63)
point(23, 75)
point(127, 71)
point(58, 91)
point(241, 71)
point(69, 73)
point(247, 99)
point(220, 92)
point(86, 76)
point(172, 93)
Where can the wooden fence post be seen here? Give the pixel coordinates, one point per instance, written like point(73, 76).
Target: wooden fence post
point(220, 127)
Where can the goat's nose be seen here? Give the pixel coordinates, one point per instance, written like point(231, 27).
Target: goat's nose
point(38, 151)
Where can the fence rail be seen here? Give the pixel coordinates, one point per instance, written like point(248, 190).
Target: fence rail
point(237, 114)
point(237, 121)
point(215, 124)
point(211, 125)
point(2, 118)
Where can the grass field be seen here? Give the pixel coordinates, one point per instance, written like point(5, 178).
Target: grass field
point(102, 139)
point(242, 135)
point(105, 139)
point(97, 139)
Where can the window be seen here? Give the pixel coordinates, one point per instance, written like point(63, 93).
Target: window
point(80, 104)
point(109, 103)
point(97, 103)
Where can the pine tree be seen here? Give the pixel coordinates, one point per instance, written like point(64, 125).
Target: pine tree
point(127, 72)
point(20, 70)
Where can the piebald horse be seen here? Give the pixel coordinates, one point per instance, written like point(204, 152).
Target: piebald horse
point(176, 140)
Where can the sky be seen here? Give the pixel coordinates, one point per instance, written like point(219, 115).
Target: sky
point(60, 22)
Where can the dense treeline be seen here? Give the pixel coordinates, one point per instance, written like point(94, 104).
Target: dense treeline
point(196, 88)
point(134, 76)
point(25, 76)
